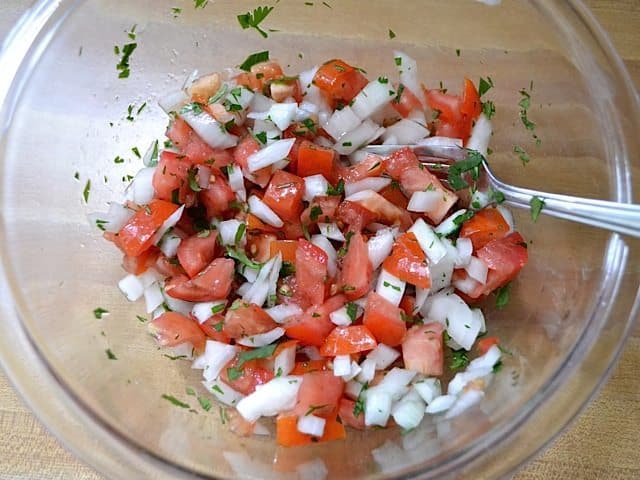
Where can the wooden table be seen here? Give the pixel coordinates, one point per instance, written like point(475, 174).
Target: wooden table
point(603, 443)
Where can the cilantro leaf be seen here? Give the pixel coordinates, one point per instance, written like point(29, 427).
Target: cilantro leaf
point(522, 154)
point(502, 296)
point(537, 204)
point(254, 58)
point(459, 359)
point(242, 258)
point(254, 19)
point(173, 400)
point(337, 190)
point(484, 85)
point(99, 312)
point(471, 164)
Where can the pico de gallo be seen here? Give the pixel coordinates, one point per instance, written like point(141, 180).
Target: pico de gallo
point(314, 282)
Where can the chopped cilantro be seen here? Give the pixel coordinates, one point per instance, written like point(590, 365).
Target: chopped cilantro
point(141, 319)
point(313, 408)
point(190, 391)
point(345, 248)
point(261, 137)
point(241, 256)
point(352, 311)
point(123, 65)
point(457, 52)
point(502, 296)
point(459, 359)
point(175, 401)
point(262, 352)
point(489, 109)
point(200, 3)
point(176, 11)
point(471, 164)
point(234, 373)
point(239, 233)
point(254, 58)
point(136, 152)
point(99, 312)
point(398, 61)
point(484, 85)
point(218, 326)
point(392, 34)
point(537, 204)
point(395, 287)
point(193, 179)
point(254, 19)
point(110, 354)
point(337, 190)
point(315, 212)
point(287, 269)
point(193, 107)
point(205, 403)
point(86, 191)
point(217, 308)
point(358, 408)
point(460, 219)
point(522, 154)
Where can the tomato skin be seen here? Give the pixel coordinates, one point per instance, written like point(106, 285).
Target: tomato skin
point(196, 252)
point(407, 103)
point(319, 389)
point(172, 328)
point(314, 159)
point(339, 80)
point(311, 272)
point(284, 195)
point(354, 215)
point(328, 204)
point(357, 270)
point(348, 340)
point(485, 343)
point(246, 320)
point(313, 326)
point(457, 113)
point(287, 433)
point(505, 258)
point(212, 329)
point(422, 349)
point(137, 235)
point(216, 197)
point(384, 321)
point(287, 248)
point(486, 225)
point(408, 261)
point(309, 366)
point(141, 263)
point(253, 374)
point(385, 211)
point(372, 166)
point(212, 283)
point(169, 267)
point(172, 173)
point(345, 412)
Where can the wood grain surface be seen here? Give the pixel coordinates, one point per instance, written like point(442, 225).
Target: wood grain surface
point(603, 443)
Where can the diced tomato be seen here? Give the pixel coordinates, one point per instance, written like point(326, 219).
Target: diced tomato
point(486, 225)
point(311, 272)
point(422, 349)
point(408, 261)
point(267, 71)
point(169, 267)
point(285, 87)
point(457, 113)
point(141, 263)
point(372, 166)
point(172, 175)
point(196, 252)
point(354, 215)
point(309, 366)
point(385, 211)
point(138, 233)
point(356, 272)
point(288, 435)
point(284, 195)
point(254, 223)
point(252, 374)
point(319, 392)
point(314, 159)
point(395, 196)
point(194, 148)
point(345, 412)
point(339, 80)
point(212, 283)
point(408, 305)
point(313, 326)
point(471, 106)
point(293, 230)
point(216, 197)
point(505, 257)
point(348, 340)
point(323, 208)
point(171, 329)
point(205, 87)
point(212, 328)
point(404, 166)
point(383, 319)
point(285, 247)
point(407, 103)
point(247, 319)
point(245, 148)
point(485, 343)
point(259, 245)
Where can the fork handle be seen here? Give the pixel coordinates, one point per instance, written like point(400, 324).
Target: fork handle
point(617, 217)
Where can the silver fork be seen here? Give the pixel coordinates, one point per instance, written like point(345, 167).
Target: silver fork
point(617, 217)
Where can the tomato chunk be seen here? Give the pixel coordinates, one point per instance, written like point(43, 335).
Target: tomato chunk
point(319, 393)
point(322, 209)
point(372, 166)
point(246, 320)
point(288, 435)
point(313, 326)
point(171, 179)
point(339, 80)
point(345, 411)
point(457, 113)
point(485, 343)
point(356, 272)
point(486, 225)
point(314, 159)
point(138, 233)
point(171, 329)
point(505, 258)
point(249, 376)
point(422, 349)
point(287, 248)
point(284, 195)
point(311, 272)
point(216, 197)
point(212, 328)
point(348, 340)
point(407, 103)
point(196, 252)
point(212, 283)
point(384, 320)
point(408, 261)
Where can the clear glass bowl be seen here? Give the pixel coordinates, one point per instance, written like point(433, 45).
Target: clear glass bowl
point(63, 111)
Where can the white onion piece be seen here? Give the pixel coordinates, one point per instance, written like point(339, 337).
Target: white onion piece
point(417, 115)
point(408, 70)
point(367, 370)
point(259, 291)
point(332, 256)
point(272, 280)
point(450, 310)
point(267, 127)
point(270, 154)
point(177, 305)
point(113, 220)
point(488, 360)
point(260, 103)
point(209, 129)
point(477, 270)
point(216, 355)
point(372, 97)
point(311, 425)
point(204, 311)
point(263, 212)
point(448, 225)
point(440, 142)
point(331, 231)
point(466, 285)
point(169, 244)
point(141, 190)
point(168, 223)
point(480, 135)
point(390, 140)
point(352, 389)
point(262, 339)
point(228, 230)
point(395, 382)
point(341, 365)
point(363, 134)
point(223, 392)
point(248, 273)
point(355, 371)
point(340, 317)
point(429, 242)
point(131, 287)
point(306, 110)
point(240, 95)
point(442, 271)
point(153, 297)
point(465, 401)
point(405, 132)
point(236, 181)
point(408, 414)
point(283, 114)
point(480, 316)
point(371, 183)
point(314, 185)
point(285, 361)
point(281, 313)
point(380, 245)
point(275, 396)
point(383, 356)
point(508, 217)
point(390, 287)
point(424, 201)
point(462, 379)
point(464, 248)
point(311, 352)
point(171, 102)
point(377, 407)
point(323, 142)
point(244, 288)
point(440, 404)
point(341, 122)
point(428, 389)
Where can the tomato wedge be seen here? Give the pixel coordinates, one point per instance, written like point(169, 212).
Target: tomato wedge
point(505, 258)
point(457, 113)
point(284, 195)
point(287, 248)
point(212, 283)
point(339, 80)
point(356, 272)
point(314, 159)
point(196, 252)
point(137, 235)
point(250, 375)
point(486, 225)
point(311, 272)
point(216, 197)
point(422, 349)
point(319, 393)
point(171, 329)
point(408, 261)
point(313, 326)
point(384, 320)
point(348, 340)
point(288, 435)
point(244, 319)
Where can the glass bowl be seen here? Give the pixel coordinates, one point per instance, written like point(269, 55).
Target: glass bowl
point(64, 111)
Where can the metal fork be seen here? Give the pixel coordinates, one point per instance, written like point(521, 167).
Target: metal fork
point(617, 217)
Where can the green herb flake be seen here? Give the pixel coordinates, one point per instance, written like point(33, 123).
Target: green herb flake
point(217, 308)
point(471, 164)
point(537, 204)
point(141, 319)
point(193, 107)
point(218, 326)
point(101, 224)
point(262, 352)
point(253, 59)
point(176, 11)
point(358, 408)
point(352, 311)
point(123, 65)
point(288, 268)
point(99, 312)
point(118, 159)
point(392, 34)
point(239, 233)
point(484, 85)
point(261, 137)
point(457, 52)
point(136, 152)
point(459, 359)
point(497, 367)
point(399, 93)
point(205, 403)
point(489, 109)
point(190, 391)
point(326, 5)
point(337, 190)
point(241, 256)
point(224, 416)
point(460, 219)
point(345, 248)
point(200, 3)
point(234, 373)
point(315, 212)
point(522, 154)
point(398, 61)
point(391, 285)
point(313, 408)
point(254, 19)
point(86, 191)
point(76, 175)
point(497, 196)
point(110, 354)
point(502, 296)
point(524, 104)
point(174, 401)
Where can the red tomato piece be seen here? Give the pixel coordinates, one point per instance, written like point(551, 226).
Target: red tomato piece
point(486, 225)
point(313, 326)
point(252, 374)
point(212, 328)
point(284, 195)
point(314, 159)
point(309, 366)
point(246, 320)
point(319, 394)
point(311, 272)
point(196, 252)
point(137, 235)
point(384, 320)
point(323, 208)
point(354, 215)
point(194, 148)
point(345, 412)
point(141, 263)
point(348, 340)
point(212, 283)
point(288, 435)
point(216, 197)
point(408, 261)
point(169, 267)
point(259, 245)
point(245, 148)
point(485, 343)
point(407, 103)
point(339, 80)
point(505, 257)
point(422, 349)
point(172, 175)
point(287, 248)
point(385, 211)
point(171, 329)
point(395, 196)
point(355, 276)
point(254, 223)
point(457, 113)
point(372, 166)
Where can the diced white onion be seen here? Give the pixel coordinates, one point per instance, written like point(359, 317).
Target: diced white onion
point(260, 103)
point(153, 297)
point(424, 201)
point(260, 429)
point(236, 182)
point(371, 183)
point(177, 305)
point(355, 371)
point(248, 273)
point(285, 361)
point(168, 223)
point(372, 97)
point(380, 245)
point(450, 310)
point(466, 285)
point(480, 316)
point(429, 242)
point(363, 134)
point(332, 256)
point(306, 78)
point(428, 389)
point(259, 291)
point(464, 247)
point(331, 231)
point(270, 154)
point(262, 339)
point(367, 370)
point(267, 127)
point(204, 311)
point(353, 388)
point(462, 379)
point(171, 102)
point(341, 365)
point(408, 414)
point(216, 355)
point(440, 404)
point(223, 392)
point(408, 70)
point(395, 382)
point(281, 313)
point(421, 296)
point(141, 190)
point(465, 401)
point(383, 356)
point(314, 186)
point(115, 218)
point(377, 407)
point(488, 360)
point(390, 287)
point(405, 132)
point(442, 271)
point(477, 270)
point(340, 317)
point(169, 244)
point(209, 129)
point(240, 95)
point(311, 425)
point(271, 398)
point(480, 199)
point(440, 142)
point(341, 122)
point(263, 212)
point(448, 225)
point(228, 230)
point(480, 135)
point(283, 114)
point(131, 287)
